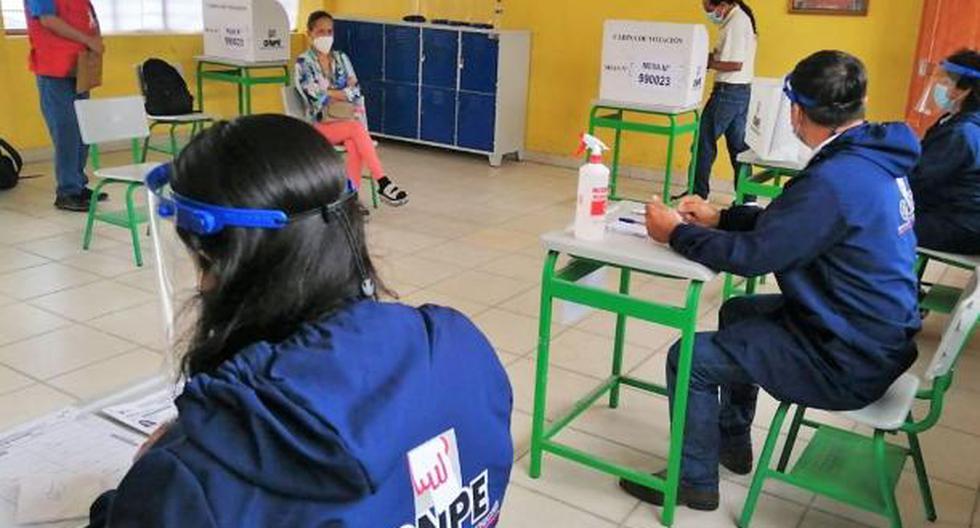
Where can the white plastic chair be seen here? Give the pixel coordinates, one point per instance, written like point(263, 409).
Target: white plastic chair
point(111, 120)
point(197, 119)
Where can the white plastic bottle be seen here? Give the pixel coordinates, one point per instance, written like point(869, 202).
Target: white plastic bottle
point(593, 192)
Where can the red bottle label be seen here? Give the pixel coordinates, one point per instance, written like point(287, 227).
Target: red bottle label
point(600, 197)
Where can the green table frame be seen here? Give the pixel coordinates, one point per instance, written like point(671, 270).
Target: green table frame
point(678, 123)
point(767, 183)
point(562, 284)
point(240, 74)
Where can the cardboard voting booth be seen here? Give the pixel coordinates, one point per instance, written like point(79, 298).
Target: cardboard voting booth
point(654, 63)
point(246, 30)
point(769, 132)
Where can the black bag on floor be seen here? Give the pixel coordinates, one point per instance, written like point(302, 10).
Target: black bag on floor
point(10, 165)
point(165, 90)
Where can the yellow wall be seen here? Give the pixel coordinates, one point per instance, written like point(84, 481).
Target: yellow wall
point(20, 117)
point(566, 52)
point(565, 59)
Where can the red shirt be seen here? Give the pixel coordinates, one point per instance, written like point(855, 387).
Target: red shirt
point(52, 55)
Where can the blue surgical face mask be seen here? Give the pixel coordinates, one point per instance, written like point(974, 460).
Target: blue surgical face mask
point(714, 17)
point(940, 96)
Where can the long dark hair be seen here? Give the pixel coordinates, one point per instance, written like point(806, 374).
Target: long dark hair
point(745, 7)
point(970, 59)
point(837, 82)
point(262, 284)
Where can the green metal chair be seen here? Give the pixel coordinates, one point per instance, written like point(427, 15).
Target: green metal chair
point(295, 105)
point(863, 471)
point(111, 120)
point(941, 298)
point(196, 120)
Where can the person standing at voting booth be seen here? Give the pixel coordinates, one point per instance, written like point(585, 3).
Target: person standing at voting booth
point(308, 402)
point(326, 78)
point(59, 31)
point(840, 240)
point(733, 60)
point(946, 183)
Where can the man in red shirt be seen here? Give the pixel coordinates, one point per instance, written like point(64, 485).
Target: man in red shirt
point(59, 30)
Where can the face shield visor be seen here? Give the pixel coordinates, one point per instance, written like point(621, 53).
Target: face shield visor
point(938, 95)
point(179, 276)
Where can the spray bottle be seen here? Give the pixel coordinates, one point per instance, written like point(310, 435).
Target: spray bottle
point(593, 192)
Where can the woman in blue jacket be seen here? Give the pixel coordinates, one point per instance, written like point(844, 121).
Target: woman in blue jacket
point(946, 183)
point(307, 401)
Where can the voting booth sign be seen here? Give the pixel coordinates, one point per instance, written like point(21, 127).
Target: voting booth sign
point(654, 63)
point(246, 30)
point(769, 132)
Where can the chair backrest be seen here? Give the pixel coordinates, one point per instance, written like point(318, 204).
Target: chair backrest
point(294, 103)
point(958, 330)
point(113, 119)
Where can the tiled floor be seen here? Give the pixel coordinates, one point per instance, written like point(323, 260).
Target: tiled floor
point(75, 325)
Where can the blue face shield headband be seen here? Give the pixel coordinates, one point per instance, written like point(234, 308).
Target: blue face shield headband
point(206, 219)
point(797, 97)
point(962, 71)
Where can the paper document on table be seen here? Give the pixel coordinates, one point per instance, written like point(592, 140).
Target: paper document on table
point(53, 468)
point(145, 414)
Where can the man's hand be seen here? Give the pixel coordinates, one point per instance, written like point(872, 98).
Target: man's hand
point(661, 221)
point(95, 44)
point(696, 210)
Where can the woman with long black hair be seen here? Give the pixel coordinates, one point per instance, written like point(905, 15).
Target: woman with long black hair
point(946, 183)
point(308, 402)
point(733, 58)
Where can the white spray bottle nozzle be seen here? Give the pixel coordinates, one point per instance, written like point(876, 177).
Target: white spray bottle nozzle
point(593, 144)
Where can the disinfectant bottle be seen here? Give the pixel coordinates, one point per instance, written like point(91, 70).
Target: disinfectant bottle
point(593, 192)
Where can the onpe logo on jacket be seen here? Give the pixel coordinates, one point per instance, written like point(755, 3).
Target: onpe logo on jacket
point(441, 499)
point(906, 206)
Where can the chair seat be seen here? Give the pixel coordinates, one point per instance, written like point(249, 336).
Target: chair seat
point(128, 173)
point(963, 261)
point(891, 410)
point(183, 118)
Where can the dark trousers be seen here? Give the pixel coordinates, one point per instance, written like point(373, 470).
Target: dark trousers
point(725, 114)
point(938, 232)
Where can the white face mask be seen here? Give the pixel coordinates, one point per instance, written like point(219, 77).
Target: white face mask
point(323, 44)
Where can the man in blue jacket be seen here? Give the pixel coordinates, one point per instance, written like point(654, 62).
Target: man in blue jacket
point(840, 240)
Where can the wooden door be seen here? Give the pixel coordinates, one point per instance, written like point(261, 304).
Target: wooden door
point(947, 26)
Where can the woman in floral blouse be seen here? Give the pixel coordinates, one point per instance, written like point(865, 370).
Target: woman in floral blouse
point(335, 105)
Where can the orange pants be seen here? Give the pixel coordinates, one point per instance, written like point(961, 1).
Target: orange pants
point(360, 148)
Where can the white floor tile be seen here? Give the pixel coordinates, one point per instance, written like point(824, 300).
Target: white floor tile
point(60, 351)
point(43, 279)
point(28, 403)
point(20, 321)
point(79, 304)
point(527, 509)
point(114, 374)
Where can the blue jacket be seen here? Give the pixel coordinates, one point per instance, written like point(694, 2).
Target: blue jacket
point(947, 180)
point(380, 416)
point(841, 244)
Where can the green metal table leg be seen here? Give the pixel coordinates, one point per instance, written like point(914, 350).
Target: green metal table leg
point(692, 168)
point(617, 365)
point(679, 414)
point(134, 222)
point(671, 139)
point(200, 85)
point(173, 140)
point(794, 430)
point(614, 174)
point(541, 372)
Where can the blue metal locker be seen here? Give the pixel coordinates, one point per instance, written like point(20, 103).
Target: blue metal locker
point(480, 57)
point(438, 115)
point(440, 64)
point(401, 110)
point(374, 99)
point(367, 50)
point(477, 121)
point(342, 30)
point(401, 49)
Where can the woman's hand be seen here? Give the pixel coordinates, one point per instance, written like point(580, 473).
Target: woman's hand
point(337, 95)
point(153, 439)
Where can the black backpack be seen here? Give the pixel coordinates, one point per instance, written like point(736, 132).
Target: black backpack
point(165, 90)
point(10, 165)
